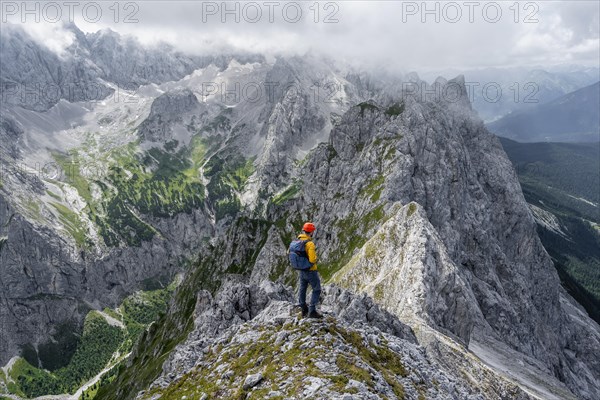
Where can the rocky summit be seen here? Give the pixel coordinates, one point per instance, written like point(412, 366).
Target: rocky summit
point(442, 286)
point(249, 342)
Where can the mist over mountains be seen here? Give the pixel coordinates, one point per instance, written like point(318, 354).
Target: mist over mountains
point(497, 92)
point(573, 117)
point(427, 241)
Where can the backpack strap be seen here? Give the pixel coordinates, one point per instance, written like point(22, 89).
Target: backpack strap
point(303, 253)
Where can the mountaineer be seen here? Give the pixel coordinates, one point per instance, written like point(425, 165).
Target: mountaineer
point(303, 257)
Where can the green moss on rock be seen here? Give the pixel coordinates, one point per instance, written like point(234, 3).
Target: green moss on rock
point(374, 188)
point(395, 109)
point(73, 225)
point(367, 106)
point(351, 237)
point(288, 193)
point(412, 208)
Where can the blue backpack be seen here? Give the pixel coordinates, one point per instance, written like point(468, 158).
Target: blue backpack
point(298, 256)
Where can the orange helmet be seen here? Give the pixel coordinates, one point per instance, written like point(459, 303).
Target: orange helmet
point(309, 227)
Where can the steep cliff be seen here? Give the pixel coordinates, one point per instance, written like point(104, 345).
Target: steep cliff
point(415, 201)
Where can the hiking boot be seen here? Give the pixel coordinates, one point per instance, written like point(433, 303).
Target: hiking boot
point(315, 314)
point(304, 311)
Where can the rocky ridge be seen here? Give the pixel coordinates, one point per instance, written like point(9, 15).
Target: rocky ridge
point(416, 203)
point(419, 208)
point(249, 342)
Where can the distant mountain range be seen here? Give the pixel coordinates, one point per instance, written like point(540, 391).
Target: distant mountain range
point(497, 92)
point(419, 213)
point(574, 117)
point(93, 67)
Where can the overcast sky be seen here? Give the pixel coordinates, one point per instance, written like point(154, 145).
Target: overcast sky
point(402, 35)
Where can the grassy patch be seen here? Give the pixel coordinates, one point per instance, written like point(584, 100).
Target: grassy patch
point(351, 237)
point(31, 381)
point(355, 372)
point(386, 148)
point(54, 195)
point(239, 174)
point(373, 189)
point(395, 109)
point(367, 106)
point(390, 154)
point(140, 310)
point(412, 208)
point(228, 175)
point(379, 293)
point(382, 359)
point(288, 193)
point(72, 174)
point(331, 153)
point(72, 224)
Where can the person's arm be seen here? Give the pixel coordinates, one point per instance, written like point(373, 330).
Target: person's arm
point(311, 251)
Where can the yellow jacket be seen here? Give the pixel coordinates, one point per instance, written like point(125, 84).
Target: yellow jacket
point(311, 250)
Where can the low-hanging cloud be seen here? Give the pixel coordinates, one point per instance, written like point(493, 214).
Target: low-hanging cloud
point(401, 35)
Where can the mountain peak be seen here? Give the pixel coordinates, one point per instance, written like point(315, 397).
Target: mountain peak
point(572, 117)
point(105, 33)
point(456, 92)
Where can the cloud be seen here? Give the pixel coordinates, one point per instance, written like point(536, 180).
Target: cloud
point(401, 35)
point(562, 34)
point(52, 36)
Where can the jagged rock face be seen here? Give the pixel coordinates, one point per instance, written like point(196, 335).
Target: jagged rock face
point(470, 263)
point(249, 341)
point(12, 133)
point(416, 204)
point(406, 261)
point(167, 110)
point(455, 182)
point(45, 282)
point(129, 65)
point(296, 117)
point(362, 309)
point(36, 78)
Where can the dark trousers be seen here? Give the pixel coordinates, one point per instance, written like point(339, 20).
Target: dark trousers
point(309, 278)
